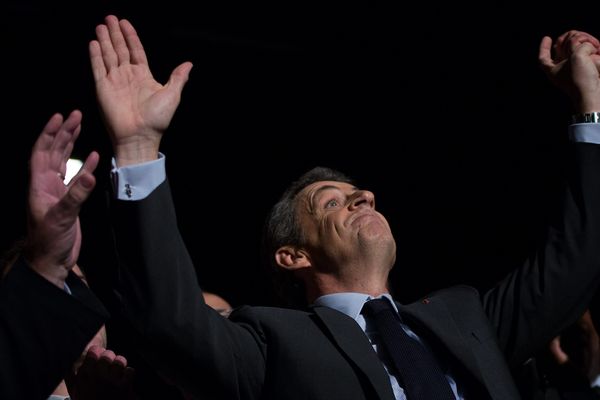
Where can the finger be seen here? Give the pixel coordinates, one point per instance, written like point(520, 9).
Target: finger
point(562, 38)
point(73, 120)
point(136, 50)
point(101, 368)
point(98, 67)
point(572, 39)
point(117, 39)
point(90, 359)
point(62, 145)
point(46, 138)
point(585, 48)
point(116, 372)
point(78, 191)
point(579, 39)
point(108, 356)
point(90, 164)
point(63, 164)
point(86, 171)
point(557, 352)
point(586, 37)
point(105, 362)
point(64, 141)
point(73, 126)
point(109, 57)
point(179, 77)
point(95, 351)
point(545, 53)
point(571, 33)
point(66, 210)
point(561, 47)
point(120, 362)
point(69, 149)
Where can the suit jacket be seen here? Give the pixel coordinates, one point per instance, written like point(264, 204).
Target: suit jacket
point(43, 331)
point(276, 353)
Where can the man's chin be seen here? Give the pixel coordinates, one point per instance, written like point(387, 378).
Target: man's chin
point(376, 238)
point(374, 229)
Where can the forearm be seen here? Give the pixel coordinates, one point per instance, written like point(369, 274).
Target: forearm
point(552, 289)
point(177, 333)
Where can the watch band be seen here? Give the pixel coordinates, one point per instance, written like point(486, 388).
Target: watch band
point(586, 118)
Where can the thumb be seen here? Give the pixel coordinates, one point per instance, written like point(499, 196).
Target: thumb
point(544, 53)
point(77, 194)
point(179, 76)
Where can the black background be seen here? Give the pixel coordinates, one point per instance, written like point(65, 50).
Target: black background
point(440, 109)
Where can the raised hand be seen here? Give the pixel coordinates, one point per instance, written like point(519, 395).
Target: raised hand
point(54, 234)
point(136, 108)
point(574, 68)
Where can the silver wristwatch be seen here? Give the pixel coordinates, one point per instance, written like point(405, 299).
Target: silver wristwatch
point(586, 118)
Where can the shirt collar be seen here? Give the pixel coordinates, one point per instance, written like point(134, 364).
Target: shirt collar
point(349, 303)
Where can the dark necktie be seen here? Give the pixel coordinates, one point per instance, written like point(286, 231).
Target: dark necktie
point(419, 373)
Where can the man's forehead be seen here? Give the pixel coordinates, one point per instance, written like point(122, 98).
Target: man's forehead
point(323, 185)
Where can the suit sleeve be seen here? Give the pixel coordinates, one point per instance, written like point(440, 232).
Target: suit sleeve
point(173, 329)
point(559, 278)
point(43, 331)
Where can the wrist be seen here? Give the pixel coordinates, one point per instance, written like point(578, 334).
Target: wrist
point(592, 117)
point(130, 154)
point(588, 103)
point(45, 264)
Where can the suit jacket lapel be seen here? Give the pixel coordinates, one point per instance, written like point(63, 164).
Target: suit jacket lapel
point(354, 343)
point(437, 318)
point(434, 315)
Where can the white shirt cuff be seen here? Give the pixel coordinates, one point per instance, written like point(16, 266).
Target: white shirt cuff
point(587, 133)
point(136, 182)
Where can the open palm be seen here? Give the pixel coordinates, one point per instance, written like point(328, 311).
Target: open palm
point(137, 109)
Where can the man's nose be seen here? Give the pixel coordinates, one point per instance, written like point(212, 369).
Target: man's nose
point(362, 198)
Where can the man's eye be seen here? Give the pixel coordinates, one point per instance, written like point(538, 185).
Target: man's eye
point(331, 203)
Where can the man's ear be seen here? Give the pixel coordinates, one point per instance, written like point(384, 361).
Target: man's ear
point(292, 258)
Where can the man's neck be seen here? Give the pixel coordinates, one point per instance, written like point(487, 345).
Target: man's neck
point(372, 285)
point(61, 389)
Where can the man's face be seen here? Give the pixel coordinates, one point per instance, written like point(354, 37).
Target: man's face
point(341, 227)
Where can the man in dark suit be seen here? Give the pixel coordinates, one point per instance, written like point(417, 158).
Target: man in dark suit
point(47, 315)
point(326, 234)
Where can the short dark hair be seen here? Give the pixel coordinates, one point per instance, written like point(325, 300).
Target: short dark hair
point(283, 229)
point(10, 256)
